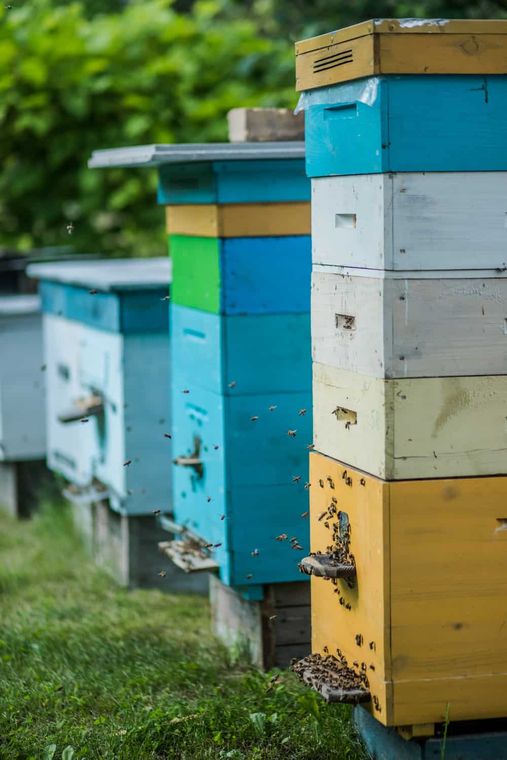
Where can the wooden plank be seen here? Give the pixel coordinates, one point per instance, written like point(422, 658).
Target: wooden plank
point(442, 54)
point(239, 219)
point(386, 26)
point(402, 47)
point(291, 594)
point(449, 586)
point(413, 427)
point(265, 124)
point(358, 627)
point(383, 327)
point(411, 221)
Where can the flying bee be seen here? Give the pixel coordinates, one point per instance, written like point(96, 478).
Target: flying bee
point(296, 478)
point(272, 408)
point(93, 292)
point(254, 553)
point(162, 573)
point(156, 511)
point(281, 537)
point(291, 433)
point(254, 418)
point(127, 463)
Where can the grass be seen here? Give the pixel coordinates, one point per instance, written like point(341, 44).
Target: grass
point(88, 670)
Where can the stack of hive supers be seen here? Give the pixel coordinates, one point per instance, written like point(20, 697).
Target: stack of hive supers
point(239, 240)
point(405, 142)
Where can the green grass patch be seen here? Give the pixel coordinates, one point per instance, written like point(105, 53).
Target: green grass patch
point(88, 670)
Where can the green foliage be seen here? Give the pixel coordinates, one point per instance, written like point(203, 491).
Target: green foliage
point(91, 671)
point(70, 84)
point(80, 75)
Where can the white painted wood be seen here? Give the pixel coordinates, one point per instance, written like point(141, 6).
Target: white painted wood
point(107, 275)
point(411, 221)
point(412, 428)
point(22, 381)
point(409, 327)
point(131, 373)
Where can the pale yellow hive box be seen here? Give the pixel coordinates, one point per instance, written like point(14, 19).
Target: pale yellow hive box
point(402, 46)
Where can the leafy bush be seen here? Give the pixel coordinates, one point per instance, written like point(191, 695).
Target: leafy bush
point(70, 84)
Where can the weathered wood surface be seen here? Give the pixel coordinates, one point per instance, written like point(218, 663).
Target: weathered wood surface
point(411, 221)
point(409, 327)
point(265, 124)
point(272, 629)
point(402, 46)
point(411, 427)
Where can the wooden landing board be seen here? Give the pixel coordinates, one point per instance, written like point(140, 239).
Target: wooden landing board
point(411, 427)
point(239, 219)
point(428, 609)
point(409, 326)
point(402, 46)
point(411, 221)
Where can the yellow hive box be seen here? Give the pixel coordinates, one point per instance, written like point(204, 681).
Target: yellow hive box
point(402, 46)
point(426, 618)
point(239, 219)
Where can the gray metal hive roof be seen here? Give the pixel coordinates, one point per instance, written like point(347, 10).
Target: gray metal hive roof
point(157, 155)
point(107, 275)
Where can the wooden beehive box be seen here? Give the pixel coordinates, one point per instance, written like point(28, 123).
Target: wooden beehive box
point(402, 46)
point(411, 221)
point(423, 617)
point(107, 358)
point(409, 324)
point(22, 379)
point(421, 427)
point(408, 124)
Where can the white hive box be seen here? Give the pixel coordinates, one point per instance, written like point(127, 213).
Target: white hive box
point(22, 379)
point(411, 221)
point(412, 427)
point(409, 324)
point(106, 336)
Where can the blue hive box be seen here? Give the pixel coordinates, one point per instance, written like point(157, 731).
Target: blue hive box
point(407, 124)
point(106, 328)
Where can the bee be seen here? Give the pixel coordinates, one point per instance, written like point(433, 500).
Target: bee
point(162, 573)
point(254, 418)
point(362, 482)
point(249, 576)
point(272, 617)
point(208, 499)
point(297, 546)
point(165, 298)
point(70, 226)
point(232, 384)
point(222, 517)
point(291, 433)
point(127, 463)
point(254, 553)
point(93, 292)
point(302, 412)
point(281, 537)
point(307, 486)
point(215, 546)
point(156, 511)
point(167, 435)
point(296, 478)
point(185, 390)
point(310, 446)
point(85, 419)
point(43, 367)
point(304, 514)
point(272, 408)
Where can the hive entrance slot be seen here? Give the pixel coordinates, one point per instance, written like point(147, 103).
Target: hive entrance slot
point(502, 524)
point(327, 566)
point(345, 415)
point(332, 678)
point(345, 220)
point(345, 322)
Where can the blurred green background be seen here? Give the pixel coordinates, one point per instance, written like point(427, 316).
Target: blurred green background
point(75, 76)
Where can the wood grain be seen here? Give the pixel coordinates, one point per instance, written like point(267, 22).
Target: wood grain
point(413, 427)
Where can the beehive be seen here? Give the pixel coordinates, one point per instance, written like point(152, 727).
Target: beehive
point(409, 374)
point(22, 388)
point(238, 224)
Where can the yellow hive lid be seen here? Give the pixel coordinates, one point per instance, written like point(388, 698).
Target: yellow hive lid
point(402, 46)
